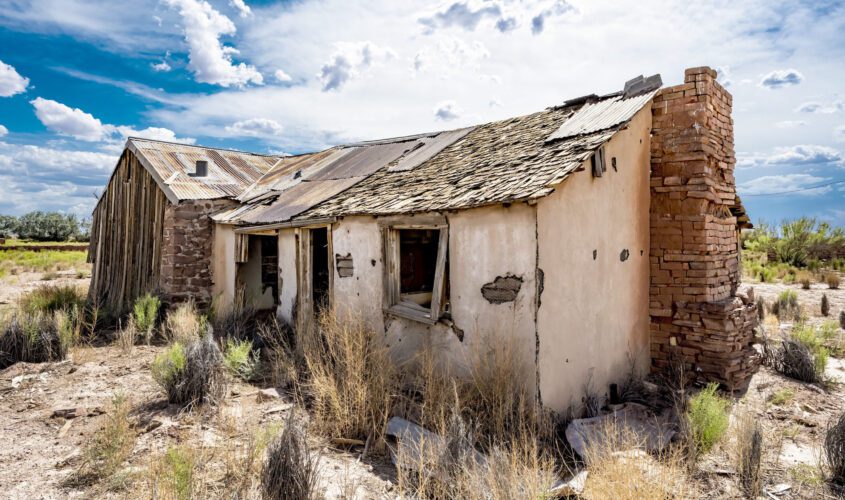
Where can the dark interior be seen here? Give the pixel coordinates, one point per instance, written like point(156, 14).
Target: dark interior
point(320, 268)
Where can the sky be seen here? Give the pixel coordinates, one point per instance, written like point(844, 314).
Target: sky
point(77, 77)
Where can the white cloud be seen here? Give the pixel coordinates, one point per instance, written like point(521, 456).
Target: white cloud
point(68, 121)
point(804, 154)
point(243, 8)
point(11, 82)
point(256, 127)
point(3, 131)
point(161, 67)
point(210, 60)
point(449, 54)
point(790, 123)
point(349, 61)
point(829, 108)
point(557, 8)
point(839, 133)
point(465, 15)
point(781, 78)
point(447, 111)
point(771, 184)
point(281, 76)
point(724, 75)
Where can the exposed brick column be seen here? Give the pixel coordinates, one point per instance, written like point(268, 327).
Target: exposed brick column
point(695, 311)
point(188, 238)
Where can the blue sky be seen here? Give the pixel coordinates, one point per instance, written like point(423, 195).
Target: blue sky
point(79, 76)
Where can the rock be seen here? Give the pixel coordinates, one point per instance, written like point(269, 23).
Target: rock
point(269, 394)
point(573, 487)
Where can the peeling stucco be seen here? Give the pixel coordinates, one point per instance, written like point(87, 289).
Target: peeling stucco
point(502, 289)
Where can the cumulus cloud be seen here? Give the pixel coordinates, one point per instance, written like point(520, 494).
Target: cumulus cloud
point(447, 111)
point(11, 82)
point(82, 126)
point(281, 76)
point(3, 131)
point(829, 108)
point(210, 60)
point(256, 127)
point(349, 61)
point(243, 8)
point(161, 67)
point(465, 15)
point(557, 8)
point(801, 184)
point(781, 78)
point(804, 154)
point(68, 121)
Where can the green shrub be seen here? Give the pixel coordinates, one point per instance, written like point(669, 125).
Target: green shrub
point(191, 375)
point(708, 417)
point(766, 275)
point(145, 313)
point(825, 306)
point(240, 359)
point(174, 474)
point(50, 298)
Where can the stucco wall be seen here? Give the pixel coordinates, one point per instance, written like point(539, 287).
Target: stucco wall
point(593, 318)
point(484, 244)
point(223, 266)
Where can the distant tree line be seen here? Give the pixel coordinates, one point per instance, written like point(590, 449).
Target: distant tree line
point(45, 226)
point(798, 242)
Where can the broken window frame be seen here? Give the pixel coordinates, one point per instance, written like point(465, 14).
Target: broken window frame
point(391, 257)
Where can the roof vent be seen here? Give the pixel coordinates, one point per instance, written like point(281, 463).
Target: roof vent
point(201, 169)
point(639, 85)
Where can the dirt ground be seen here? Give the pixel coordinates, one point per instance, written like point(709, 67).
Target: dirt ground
point(42, 450)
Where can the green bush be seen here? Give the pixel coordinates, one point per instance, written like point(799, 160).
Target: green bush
point(145, 313)
point(708, 417)
point(240, 359)
point(169, 365)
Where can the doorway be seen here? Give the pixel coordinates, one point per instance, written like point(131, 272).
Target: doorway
point(320, 268)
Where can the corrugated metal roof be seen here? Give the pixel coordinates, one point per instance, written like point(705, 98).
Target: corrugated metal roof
point(604, 114)
point(229, 172)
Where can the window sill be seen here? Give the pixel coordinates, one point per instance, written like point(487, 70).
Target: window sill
point(409, 310)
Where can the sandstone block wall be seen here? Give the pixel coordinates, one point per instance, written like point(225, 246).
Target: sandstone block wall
point(694, 308)
point(186, 251)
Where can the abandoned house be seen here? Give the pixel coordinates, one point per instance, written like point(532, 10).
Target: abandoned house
point(598, 234)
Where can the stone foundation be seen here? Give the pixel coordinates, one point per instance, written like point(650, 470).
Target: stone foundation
point(186, 252)
point(695, 311)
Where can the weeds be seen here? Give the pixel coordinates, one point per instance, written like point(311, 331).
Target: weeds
point(786, 306)
point(279, 362)
point(782, 397)
point(173, 475)
point(193, 374)
point(109, 447)
point(708, 418)
point(127, 336)
point(145, 314)
point(240, 359)
point(290, 471)
point(35, 338)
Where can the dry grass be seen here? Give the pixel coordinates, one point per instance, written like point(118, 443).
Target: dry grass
point(805, 278)
point(244, 460)
point(193, 374)
point(175, 474)
point(127, 336)
point(834, 448)
point(37, 337)
point(108, 449)
point(183, 324)
point(290, 470)
point(619, 469)
point(832, 279)
point(747, 449)
point(350, 379)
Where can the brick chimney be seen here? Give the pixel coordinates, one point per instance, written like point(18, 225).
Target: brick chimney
point(696, 314)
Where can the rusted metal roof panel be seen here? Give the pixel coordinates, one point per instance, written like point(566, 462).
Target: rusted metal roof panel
point(229, 172)
point(602, 115)
point(286, 170)
point(295, 200)
point(426, 148)
point(362, 160)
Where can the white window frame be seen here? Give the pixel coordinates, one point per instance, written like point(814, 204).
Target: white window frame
point(391, 257)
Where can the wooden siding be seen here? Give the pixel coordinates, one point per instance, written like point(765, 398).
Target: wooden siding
point(126, 237)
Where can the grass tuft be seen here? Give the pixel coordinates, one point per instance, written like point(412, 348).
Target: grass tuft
point(708, 418)
point(834, 449)
point(145, 313)
point(748, 450)
point(50, 298)
point(290, 470)
point(184, 324)
point(110, 446)
point(193, 374)
point(240, 359)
